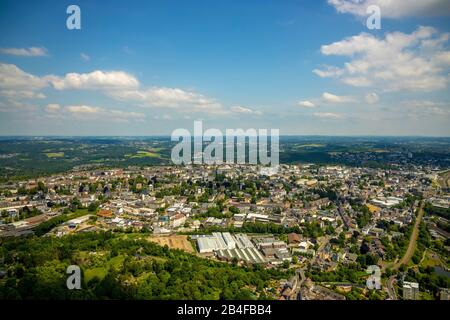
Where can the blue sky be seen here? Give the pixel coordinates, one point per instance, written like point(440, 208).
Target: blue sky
point(149, 67)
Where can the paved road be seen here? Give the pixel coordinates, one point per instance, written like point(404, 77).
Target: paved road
point(391, 289)
point(301, 279)
point(412, 241)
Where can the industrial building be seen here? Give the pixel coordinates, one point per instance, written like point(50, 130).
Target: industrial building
point(228, 247)
point(251, 255)
point(221, 241)
point(229, 240)
point(242, 241)
point(410, 291)
point(210, 244)
point(387, 202)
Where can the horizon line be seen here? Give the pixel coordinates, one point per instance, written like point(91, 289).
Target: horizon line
point(168, 136)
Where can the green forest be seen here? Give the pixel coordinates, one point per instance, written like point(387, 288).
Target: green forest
point(122, 266)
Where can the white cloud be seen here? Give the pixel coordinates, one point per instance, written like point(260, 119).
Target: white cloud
point(400, 61)
point(18, 107)
point(53, 107)
point(332, 98)
point(306, 104)
point(85, 57)
point(123, 115)
point(21, 94)
point(17, 84)
point(86, 112)
point(326, 99)
point(239, 109)
point(163, 97)
point(125, 87)
point(105, 80)
point(327, 115)
point(329, 71)
point(118, 85)
point(83, 109)
point(418, 108)
point(372, 98)
point(244, 110)
point(25, 52)
point(357, 81)
point(394, 8)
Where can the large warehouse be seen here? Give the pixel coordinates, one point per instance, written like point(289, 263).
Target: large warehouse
point(208, 244)
point(222, 241)
point(228, 247)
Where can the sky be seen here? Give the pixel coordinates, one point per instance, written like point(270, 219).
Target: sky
point(138, 68)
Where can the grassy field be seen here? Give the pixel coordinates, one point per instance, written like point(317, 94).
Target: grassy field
point(54, 154)
point(99, 272)
point(431, 259)
point(116, 262)
point(143, 154)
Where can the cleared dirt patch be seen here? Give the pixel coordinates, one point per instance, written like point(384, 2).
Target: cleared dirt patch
point(173, 242)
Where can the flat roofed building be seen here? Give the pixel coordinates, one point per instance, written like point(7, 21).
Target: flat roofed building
point(229, 240)
point(444, 294)
point(80, 219)
point(251, 255)
point(221, 244)
point(410, 291)
point(206, 244)
point(243, 241)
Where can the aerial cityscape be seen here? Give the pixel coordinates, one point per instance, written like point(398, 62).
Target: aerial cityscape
point(226, 150)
